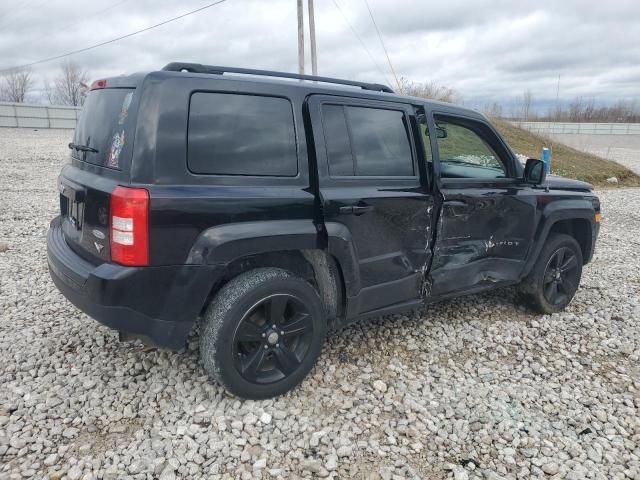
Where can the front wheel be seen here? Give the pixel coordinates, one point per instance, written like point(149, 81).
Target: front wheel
point(555, 278)
point(262, 333)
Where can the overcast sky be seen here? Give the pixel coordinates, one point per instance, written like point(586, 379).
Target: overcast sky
point(485, 49)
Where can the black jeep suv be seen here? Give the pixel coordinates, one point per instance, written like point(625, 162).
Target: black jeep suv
point(275, 206)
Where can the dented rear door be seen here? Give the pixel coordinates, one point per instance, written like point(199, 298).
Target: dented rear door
point(372, 194)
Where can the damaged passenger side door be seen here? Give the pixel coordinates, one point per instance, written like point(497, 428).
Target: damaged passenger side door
point(487, 216)
point(374, 198)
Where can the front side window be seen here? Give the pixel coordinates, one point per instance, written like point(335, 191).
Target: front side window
point(464, 153)
point(232, 134)
point(364, 141)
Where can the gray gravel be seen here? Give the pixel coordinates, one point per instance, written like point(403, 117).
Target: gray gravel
point(472, 388)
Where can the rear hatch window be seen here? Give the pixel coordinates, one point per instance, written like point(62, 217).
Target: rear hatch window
point(104, 125)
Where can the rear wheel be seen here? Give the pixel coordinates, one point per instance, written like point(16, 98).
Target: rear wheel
point(262, 333)
point(555, 278)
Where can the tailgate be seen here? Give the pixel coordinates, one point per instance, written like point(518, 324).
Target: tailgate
point(84, 211)
point(101, 153)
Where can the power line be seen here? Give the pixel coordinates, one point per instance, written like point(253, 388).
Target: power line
point(74, 52)
point(346, 20)
point(383, 45)
point(84, 18)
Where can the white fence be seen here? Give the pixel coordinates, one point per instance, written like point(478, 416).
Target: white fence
point(37, 116)
point(45, 116)
point(581, 128)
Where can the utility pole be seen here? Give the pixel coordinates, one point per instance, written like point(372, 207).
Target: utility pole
point(312, 35)
point(558, 100)
point(300, 39)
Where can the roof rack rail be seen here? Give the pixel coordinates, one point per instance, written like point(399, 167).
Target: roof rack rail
point(215, 70)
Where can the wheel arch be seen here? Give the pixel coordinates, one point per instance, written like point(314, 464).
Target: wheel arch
point(328, 261)
point(315, 266)
point(223, 244)
point(578, 228)
point(572, 217)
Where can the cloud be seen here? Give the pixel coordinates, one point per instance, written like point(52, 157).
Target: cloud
point(486, 49)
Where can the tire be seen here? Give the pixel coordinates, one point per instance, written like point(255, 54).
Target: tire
point(545, 290)
point(239, 347)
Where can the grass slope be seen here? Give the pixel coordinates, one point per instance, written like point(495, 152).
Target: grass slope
point(566, 161)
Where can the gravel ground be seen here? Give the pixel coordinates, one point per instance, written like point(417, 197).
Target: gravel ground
point(471, 388)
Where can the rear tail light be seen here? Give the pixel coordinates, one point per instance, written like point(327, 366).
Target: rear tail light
point(130, 226)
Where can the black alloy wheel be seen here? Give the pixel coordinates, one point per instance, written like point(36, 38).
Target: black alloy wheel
point(555, 277)
point(262, 333)
point(561, 276)
point(272, 339)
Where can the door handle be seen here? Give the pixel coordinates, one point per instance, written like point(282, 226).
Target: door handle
point(455, 203)
point(346, 210)
point(355, 209)
point(360, 209)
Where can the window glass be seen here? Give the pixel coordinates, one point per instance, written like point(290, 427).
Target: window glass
point(336, 138)
point(380, 142)
point(233, 134)
point(464, 154)
point(426, 141)
point(103, 126)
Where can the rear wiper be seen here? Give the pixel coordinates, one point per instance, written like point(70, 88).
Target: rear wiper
point(82, 148)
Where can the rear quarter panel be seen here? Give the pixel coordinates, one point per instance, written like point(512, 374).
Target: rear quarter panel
point(184, 204)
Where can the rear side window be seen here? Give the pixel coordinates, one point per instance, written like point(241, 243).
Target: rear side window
point(232, 134)
point(366, 141)
point(337, 140)
point(103, 126)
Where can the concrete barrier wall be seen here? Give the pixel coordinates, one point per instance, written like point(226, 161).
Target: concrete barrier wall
point(581, 128)
point(53, 116)
point(37, 116)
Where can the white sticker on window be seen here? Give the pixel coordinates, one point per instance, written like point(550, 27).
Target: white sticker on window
point(124, 111)
point(113, 161)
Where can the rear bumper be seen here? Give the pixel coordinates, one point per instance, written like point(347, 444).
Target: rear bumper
point(160, 303)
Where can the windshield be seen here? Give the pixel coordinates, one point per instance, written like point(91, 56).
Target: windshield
point(102, 126)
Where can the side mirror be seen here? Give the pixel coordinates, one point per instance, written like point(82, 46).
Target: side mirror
point(535, 171)
point(441, 132)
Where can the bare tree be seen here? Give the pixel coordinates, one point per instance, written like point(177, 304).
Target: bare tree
point(527, 98)
point(575, 109)
point(582, 110)
point(493, 110)
point(586, 110)
point(69, 87)
point(430, 90)
point(49, 91)
point(15, 85)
